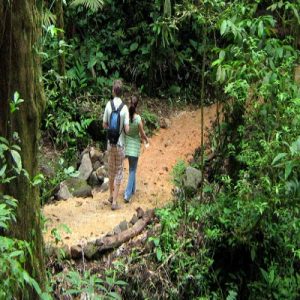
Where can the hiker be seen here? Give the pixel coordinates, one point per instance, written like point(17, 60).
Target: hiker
point(116, 121)
point(133, 146)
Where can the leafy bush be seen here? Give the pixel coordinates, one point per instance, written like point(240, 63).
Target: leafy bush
point(150, 121)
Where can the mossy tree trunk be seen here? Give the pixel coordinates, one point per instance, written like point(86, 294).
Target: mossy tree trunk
point(59, 12)
point(20, 70)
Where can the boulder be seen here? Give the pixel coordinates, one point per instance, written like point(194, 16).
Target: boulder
point(134, 219)
point(90, 250)
point(123, 225)
point(76, 252)
point(78, 187)
point(105, 185)
point(164, 123)
point(96, 165)
point(101, 173)
point(86, 167)
point(140, 212)
point(63, 192)
point(93, 180)
point(95, 155)
point(47, 171)
point(192, 178)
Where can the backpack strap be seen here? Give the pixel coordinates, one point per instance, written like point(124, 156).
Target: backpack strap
point(112, 105)
point(120, 107)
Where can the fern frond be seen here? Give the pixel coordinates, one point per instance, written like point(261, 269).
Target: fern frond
point(48, 18)
point(93, 5)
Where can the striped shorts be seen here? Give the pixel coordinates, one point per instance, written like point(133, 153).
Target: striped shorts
point(116, 156)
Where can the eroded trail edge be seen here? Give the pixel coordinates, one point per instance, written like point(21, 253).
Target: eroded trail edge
point(91, 218)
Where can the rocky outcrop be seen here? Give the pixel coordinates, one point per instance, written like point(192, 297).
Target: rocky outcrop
point(92, 175)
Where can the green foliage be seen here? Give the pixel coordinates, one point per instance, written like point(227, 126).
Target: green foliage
point(62, 172)
point(151, 122)
point(177, 172)
point(94, 5)
point(91, 285)
point(13, 252)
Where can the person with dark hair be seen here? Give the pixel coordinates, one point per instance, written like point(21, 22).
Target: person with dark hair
point(133, 145)
point(116, 141)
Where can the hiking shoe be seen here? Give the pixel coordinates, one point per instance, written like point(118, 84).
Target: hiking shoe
point(115, 206)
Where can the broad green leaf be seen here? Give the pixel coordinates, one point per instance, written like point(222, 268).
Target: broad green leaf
point(223, 27)
point(159, 254)
point(288, 169)
point(17, 159)
point(92, 62)
point(114, 295)
point(133, 47)
point(278, 157)
point(222, 54)
point(2, 170)
point(3, 140)
point(260, 29)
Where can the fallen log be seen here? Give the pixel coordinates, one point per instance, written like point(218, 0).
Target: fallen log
point(94, 249)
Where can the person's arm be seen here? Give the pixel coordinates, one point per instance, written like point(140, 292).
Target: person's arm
point(142, 132)
point(105, 118)
point(126, 121)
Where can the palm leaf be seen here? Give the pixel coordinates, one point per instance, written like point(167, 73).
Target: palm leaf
point(93, 5)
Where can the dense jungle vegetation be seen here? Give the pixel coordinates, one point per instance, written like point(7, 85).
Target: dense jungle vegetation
point(238, 236)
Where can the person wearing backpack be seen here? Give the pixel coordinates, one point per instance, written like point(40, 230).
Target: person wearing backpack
point(116, 121)
point(133, 146)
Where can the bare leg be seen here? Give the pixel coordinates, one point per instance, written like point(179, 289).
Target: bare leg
point(111, 187)
point(116, 193)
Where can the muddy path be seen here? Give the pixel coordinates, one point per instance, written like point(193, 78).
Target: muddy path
point(90, 218)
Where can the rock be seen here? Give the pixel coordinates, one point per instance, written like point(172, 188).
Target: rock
point(93, 180)
point(192, 178)
point(76, 252)
point(96, 165)
point(90, 250)
point(47, 171)
point(101, 173)
point(117, 229)
point(111, 233)
point(78, 187)
point(49, 250)
point(134, 219)
point(83, 192)
point(86, 167)
point(105, 185)
point(123, 225)
point(140, 213)
point(95, 155)
point(63, 193)
point(164, 123)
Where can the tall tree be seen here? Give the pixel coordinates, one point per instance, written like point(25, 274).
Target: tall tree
point(59, 12)
point(20, 70)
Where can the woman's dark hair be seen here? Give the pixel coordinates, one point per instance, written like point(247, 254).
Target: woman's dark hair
point(132, 108)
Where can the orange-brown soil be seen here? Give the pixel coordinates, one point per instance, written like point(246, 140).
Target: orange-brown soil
point(90, 218)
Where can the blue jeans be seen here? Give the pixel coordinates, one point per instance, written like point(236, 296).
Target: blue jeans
point(130, 189)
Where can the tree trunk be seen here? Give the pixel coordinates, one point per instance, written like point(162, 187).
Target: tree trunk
point(20, 70)
point(60, 24)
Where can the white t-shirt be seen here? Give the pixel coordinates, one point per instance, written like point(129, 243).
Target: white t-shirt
point(124, 115)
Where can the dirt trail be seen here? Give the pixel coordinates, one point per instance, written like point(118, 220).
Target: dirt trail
point(91, 217)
